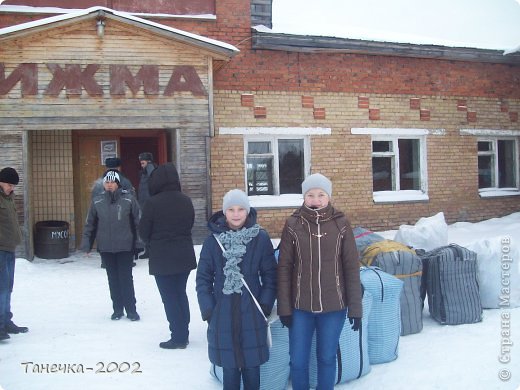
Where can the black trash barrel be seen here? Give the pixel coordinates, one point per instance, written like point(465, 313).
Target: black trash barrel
point(51, 239)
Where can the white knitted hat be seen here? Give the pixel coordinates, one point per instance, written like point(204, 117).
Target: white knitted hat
point(317, 180)
point(235, 198)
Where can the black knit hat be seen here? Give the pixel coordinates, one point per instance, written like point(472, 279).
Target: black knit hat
point(146, 156)
point(9, 175)
point(112, 162)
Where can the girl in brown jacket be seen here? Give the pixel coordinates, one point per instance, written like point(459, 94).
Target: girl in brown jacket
point(318, 282)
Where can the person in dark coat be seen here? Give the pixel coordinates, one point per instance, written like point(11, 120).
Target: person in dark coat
point(10, 237)
point(237, 331)
point(143, 193)
point(165, 228)
point(111, 221)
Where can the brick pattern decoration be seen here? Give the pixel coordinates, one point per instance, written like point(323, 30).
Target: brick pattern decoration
point(247, 100)
point(424, 114)
point(260, 112)
point(456, 194)
point(513, 115)
point(307, 102)
point(415, 103)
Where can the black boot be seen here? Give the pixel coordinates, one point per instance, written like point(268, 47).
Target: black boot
point(170, 344)
point(133, 316)
point(12, 328)
point(117, 315)
point(4, 335)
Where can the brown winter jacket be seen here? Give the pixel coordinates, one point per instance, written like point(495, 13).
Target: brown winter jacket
point(10, 234)
point(318, 269)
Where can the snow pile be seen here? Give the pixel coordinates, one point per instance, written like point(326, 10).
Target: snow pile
point(428, 233)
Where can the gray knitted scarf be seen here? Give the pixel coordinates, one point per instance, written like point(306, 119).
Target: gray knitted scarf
point(235, 244)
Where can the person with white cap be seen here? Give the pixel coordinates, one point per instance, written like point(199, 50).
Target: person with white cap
point(238, 251)
point(10, 237)
point(318, 282)
point(112, 220)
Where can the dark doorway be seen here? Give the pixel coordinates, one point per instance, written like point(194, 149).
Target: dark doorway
point(131, 147)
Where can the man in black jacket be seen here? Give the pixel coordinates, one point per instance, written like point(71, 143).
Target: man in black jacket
point(147, 167)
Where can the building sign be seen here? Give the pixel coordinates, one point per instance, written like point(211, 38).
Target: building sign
point(76, 78)
point(108, 150)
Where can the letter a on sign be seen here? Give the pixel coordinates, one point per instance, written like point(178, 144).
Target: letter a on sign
point(185, 79)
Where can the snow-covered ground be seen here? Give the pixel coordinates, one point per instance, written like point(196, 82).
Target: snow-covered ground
point(66, 305)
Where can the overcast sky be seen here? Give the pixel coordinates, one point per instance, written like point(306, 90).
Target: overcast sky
point(487, 24)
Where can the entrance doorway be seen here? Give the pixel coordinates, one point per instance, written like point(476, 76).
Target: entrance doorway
point(89, 151)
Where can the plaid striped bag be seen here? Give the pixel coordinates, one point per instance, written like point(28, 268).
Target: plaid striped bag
point(451, 277)
point(384, 321)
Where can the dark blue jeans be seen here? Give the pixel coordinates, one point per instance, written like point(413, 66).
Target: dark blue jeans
point(250, 377)
point(175, 300)
point(7, 261)
point(328, 328)
point(120, 280)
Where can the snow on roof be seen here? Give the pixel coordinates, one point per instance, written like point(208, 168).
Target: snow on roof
point(124, 15)
point(25, 9)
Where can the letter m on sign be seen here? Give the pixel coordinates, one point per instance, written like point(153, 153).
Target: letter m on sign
point(147, 76)
point(27, 74)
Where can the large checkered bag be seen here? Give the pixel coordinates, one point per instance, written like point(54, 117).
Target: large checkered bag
point(274, 374)
point(407, 267)
point(451, 276)
point(384, 321)
point(352, 356)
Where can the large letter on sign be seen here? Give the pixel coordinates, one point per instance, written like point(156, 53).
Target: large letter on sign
point(73, 78)
point(185, 78)
point(26, 73)
point(147, 76)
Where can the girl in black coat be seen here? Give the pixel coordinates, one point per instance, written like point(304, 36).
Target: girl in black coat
point(165, 227)
point(237, 331)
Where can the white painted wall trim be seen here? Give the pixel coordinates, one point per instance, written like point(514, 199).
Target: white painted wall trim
point(490, 132)
point(395, 131)
point(274, 131)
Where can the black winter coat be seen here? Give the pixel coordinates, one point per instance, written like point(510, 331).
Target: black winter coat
point(237, 332)
point(166, 222)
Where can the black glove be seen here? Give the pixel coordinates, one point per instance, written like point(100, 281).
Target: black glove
point(286, 321)
point(355, 322)
point(207, 317)
point(266, 310)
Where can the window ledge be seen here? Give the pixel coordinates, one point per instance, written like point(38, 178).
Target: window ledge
point(276, 201)
point(496, 192)
point(400, 196)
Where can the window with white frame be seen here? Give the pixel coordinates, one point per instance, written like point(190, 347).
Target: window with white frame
point(498, 163)
point(398, 163)
point(275, 165)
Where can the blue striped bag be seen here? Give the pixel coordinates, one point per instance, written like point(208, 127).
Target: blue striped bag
point(274, 374)
point(352, 357)
point(384, 321)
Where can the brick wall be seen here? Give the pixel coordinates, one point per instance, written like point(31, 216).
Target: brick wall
point(346, 158)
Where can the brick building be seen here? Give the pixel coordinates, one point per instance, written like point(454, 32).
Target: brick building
point(402, 130)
